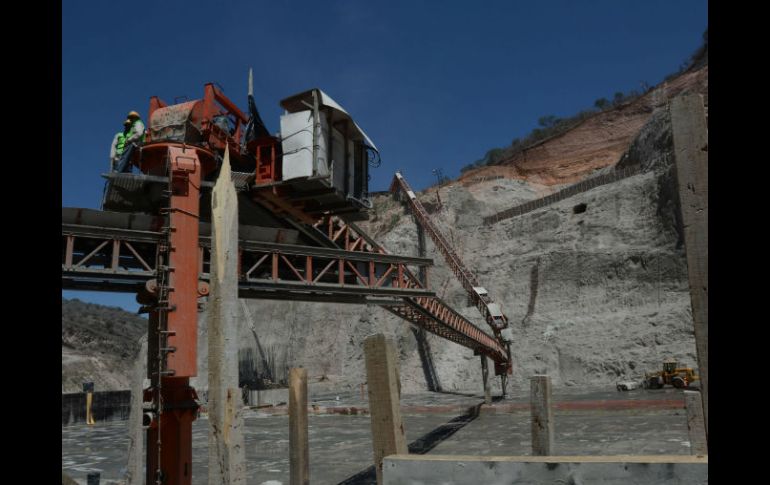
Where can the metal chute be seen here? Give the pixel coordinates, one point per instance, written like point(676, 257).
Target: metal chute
point(255, 127)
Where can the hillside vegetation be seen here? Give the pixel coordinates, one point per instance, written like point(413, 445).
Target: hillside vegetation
point(551, 126)
point(98, 344)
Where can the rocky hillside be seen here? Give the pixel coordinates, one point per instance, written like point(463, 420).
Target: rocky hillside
point(98, 344)
point(596, 142)
point(595, 285)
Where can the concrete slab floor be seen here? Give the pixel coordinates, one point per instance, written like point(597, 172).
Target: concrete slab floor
point(340, 446)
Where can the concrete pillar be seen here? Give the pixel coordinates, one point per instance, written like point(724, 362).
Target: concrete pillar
point(299, 460)
point(695, 425)
point(226, 447)
point(423, 346)
point(542, 416)
point(388, 436)
point(422, 251)
point(546, 470)
point(67, 480)
point(135, 469)
point(688, 123)
point(485, 379)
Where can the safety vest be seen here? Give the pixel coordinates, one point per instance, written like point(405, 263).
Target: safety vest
point(131, 132)
point(121, 144)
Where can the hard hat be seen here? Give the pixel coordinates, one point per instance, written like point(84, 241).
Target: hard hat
point(133, 114)
point(127, 122)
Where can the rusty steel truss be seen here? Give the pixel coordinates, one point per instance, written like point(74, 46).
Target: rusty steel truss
point(160, 251)
point(123, 260)
point(491, 311)
point(437, 317)
point(430, 313)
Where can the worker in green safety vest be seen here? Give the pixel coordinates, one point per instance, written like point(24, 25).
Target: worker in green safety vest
point(119, 144)
point(134, 138)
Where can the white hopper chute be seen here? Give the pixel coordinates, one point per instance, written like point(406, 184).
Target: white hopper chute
point(321, 141)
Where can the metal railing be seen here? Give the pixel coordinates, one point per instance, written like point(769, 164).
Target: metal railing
point(575, 189)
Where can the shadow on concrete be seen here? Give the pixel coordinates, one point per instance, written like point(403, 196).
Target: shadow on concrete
point(420, 446)
point(428, 367)
point(456, 393)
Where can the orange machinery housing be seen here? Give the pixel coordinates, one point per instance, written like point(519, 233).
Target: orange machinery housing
point(184, 148)
point(317, 167)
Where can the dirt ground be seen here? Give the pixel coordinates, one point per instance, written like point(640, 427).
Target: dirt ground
point(586, 423)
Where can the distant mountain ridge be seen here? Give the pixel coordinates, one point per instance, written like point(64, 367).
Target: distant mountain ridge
point(99, 344)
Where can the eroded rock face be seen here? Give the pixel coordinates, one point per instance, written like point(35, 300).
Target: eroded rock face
point(595, 285)
point(99, 344)
point(596, 142)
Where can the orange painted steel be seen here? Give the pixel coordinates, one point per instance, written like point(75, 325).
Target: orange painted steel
point(267, 152)
point(184, 143)
point(183, 261)
point(430, 313)
point(466, 278)
point(115, 259)
point(173, 327)
point(347, 235)
point(435, 316)
point(180, 409)
point(496, 319)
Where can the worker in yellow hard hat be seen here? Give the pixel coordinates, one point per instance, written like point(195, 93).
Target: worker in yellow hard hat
point(136, 132)
point(134, 138)
point(119, 144)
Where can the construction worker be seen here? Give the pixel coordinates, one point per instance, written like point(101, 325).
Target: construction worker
point(119, 144)
point(134, 138)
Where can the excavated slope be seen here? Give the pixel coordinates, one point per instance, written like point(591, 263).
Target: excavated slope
point(595, 143)
point(594, 296)
point(98, 344)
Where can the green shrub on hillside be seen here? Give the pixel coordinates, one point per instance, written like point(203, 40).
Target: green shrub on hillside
point(550, 125)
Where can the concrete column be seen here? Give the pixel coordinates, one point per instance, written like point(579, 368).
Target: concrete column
point(67, 480)
point(551, 470)
point(695, 424)
point(485, 379)
point(384, 400)
point(226, 446)
point(422, 251)
point(542, 416)
point(135, 469)
point(688, 123)
point(299, 460)
point(423, 346)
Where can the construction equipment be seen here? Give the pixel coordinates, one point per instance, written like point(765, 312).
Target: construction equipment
point(490, 311)
point(478, 295)
point(317, 167)
point(672, 374)
point(627, 385)
point(293, 187)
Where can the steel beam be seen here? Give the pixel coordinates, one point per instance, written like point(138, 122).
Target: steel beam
point(298, 272)
point(132, 235)
point(490, 311)
point(173, 328)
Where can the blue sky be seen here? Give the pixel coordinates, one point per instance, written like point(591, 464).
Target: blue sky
point(434, 84)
